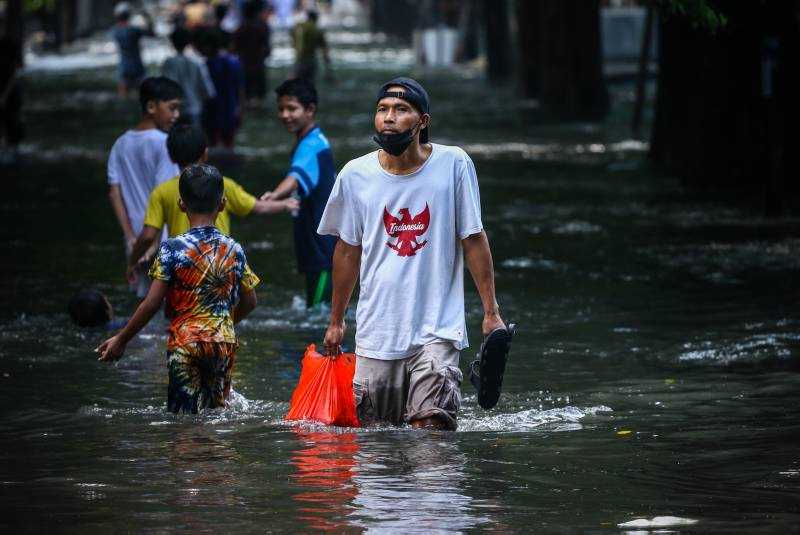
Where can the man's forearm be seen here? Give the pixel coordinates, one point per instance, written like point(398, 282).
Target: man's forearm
point(346, 261)
point(115, 196)
point(478, 257)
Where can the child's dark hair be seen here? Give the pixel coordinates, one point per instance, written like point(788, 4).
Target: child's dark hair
point(90, 308)
point(159, 89)
point(201, 188)
point(300, 88)
point(186, 143)
point(312, 15)
point(180, 39)
point(208, 42)
point(252, 8)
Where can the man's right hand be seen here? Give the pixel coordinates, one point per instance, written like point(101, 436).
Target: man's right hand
point(333, 339)
point(267, 195)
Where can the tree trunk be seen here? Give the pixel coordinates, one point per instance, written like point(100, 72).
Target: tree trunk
point(15, 27)
point(568, 51)
point(641, 74)
point(529, 29)
point(495, 12)
point(725, 102)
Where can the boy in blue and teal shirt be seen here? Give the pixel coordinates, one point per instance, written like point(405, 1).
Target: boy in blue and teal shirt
point(311, 177)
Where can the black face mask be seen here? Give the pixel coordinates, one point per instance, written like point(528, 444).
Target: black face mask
point(395, 144)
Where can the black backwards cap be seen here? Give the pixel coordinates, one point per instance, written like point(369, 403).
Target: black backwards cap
point(414, 94)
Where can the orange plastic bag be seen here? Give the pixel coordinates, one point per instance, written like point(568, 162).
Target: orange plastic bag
point(324, 392)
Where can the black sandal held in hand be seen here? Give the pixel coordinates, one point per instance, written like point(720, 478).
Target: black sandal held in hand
point(486, 373)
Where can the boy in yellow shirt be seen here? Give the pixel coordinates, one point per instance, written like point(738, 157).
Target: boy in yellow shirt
point(186, 145)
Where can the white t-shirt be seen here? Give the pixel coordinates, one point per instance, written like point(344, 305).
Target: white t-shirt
point(139, 162)
point(410, 229)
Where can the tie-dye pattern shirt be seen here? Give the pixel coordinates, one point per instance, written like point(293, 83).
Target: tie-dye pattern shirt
point(204, 270)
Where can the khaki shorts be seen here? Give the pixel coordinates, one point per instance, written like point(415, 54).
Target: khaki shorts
point(420, 386)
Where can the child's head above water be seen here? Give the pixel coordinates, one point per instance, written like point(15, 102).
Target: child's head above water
point(186, 144)
point(201, 188)
point(90, 308)
point(160, 99)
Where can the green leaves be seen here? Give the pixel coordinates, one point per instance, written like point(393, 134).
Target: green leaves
point(700, 12)
point(34, 5)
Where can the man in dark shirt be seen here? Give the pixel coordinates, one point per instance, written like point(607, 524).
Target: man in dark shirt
point(252, 43)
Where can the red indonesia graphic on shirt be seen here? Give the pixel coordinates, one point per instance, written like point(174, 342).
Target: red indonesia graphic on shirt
point(406, 229)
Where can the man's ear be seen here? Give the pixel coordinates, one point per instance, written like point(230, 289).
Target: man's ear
point(311, 108)
point(204, 156)
point(181, 205)
point(425, 120)
point(222, 203)
point(151, 106)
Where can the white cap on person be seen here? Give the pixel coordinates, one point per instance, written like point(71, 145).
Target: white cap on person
point(122, 8)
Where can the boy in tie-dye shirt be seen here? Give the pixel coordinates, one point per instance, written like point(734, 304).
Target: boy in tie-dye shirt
point(208, 286)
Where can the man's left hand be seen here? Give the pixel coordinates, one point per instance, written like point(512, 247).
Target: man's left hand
point(492, 321)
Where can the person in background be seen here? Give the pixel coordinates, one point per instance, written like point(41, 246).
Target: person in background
point(139, 161)
point(90, 308)
point(189, 75)
point(225, 35)
point(310, 177)
point(186, 145)
point(308, 38)
point(131, 69)
point(251, 42)
point(223, 114)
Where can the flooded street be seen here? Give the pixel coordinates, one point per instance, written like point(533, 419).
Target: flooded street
point(654, 373)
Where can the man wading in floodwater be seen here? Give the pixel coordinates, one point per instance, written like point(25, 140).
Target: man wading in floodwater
point(408, 216)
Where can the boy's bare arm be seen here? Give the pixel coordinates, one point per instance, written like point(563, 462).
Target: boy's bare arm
point(113, 348)
point(478, 257)
point(143, 242)
point(247, 302)
point(283, 190)
point(271, 206)
point(115, 196)
point(346, 262)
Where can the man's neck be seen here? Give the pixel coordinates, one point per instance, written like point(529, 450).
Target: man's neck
point(146, 123)
point(412, 159)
